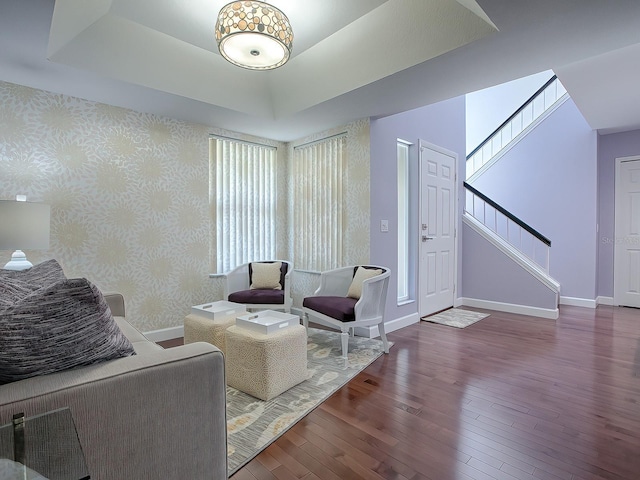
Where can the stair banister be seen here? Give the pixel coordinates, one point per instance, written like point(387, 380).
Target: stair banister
point(522, 226)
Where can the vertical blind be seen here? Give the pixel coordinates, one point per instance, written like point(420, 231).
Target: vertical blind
point(319, 203)
point(245, 191)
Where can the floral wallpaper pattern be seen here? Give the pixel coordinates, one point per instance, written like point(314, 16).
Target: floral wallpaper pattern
point(129, 196)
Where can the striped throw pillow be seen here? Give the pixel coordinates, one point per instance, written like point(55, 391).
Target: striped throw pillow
point(64, 325)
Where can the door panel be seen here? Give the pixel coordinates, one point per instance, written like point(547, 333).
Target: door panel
point(626, 285)
point(437, 232)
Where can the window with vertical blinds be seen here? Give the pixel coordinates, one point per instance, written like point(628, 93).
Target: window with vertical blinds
point(243, 179)
point(319, 203)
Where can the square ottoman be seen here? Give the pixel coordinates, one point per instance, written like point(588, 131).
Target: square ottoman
point(265, 365)
point(202, 329)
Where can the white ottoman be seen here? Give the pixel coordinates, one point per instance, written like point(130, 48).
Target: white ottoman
point(202, 329)
point(265, 365)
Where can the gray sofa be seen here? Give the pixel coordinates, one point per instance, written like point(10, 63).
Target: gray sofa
point(157, 414)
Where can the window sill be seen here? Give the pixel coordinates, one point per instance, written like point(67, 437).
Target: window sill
point(405, 302)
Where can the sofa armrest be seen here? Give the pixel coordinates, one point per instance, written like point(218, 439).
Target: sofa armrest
point(157, 415)
point(116, 304)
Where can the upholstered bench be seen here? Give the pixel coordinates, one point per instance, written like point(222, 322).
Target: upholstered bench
point(265, 365)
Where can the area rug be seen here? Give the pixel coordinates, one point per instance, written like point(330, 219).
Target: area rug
point(456, 317)
point(253, 424)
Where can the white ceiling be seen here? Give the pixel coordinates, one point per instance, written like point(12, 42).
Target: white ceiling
point(351, 59)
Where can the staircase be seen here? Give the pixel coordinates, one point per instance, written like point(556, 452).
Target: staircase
point(511, 236)
point(517, 239)
point(540, 105)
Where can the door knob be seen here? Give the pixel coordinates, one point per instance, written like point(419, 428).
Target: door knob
point(425, 238)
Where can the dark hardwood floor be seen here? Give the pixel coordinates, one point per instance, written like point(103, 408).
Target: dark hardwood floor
point(510, 397)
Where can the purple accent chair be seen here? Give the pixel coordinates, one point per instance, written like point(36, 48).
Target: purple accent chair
point(330, 306)
point(237, 288)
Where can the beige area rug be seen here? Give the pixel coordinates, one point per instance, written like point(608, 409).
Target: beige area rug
point(253, 424)
point(456, 317)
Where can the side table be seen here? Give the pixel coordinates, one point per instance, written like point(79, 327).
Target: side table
point(43, 446)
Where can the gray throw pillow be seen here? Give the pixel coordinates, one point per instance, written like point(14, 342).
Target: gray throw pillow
point(17, 284)
point(42, 274)
point(58, 327)
point(12, 291)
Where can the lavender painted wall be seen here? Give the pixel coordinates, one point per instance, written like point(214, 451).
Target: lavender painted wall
point(610, 147)
point(490, 275)
point(442, 124)
point(549, 180)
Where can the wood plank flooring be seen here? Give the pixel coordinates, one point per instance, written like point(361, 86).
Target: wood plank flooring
point(510, 397)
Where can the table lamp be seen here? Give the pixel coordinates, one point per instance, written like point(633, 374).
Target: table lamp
point(23, 225)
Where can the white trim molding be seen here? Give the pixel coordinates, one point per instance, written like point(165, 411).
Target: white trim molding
point(600, 300)
point(551, 314)
point(165, 334)
point(391, 326)
point(578, 302)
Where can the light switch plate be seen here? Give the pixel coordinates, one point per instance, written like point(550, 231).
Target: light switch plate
point(384, 225)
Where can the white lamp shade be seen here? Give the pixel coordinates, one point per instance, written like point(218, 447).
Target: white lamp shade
point(24, 225)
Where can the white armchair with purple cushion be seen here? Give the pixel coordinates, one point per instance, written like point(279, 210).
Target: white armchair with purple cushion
point(260, 285)
point(350, 297)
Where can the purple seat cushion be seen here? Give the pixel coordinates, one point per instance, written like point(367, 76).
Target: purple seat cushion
point(259, 295)
point(340, 308)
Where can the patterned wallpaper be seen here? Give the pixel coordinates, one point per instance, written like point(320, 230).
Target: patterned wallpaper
point(129, 197)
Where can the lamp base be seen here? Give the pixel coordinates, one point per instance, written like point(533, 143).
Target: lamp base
point(18, 261)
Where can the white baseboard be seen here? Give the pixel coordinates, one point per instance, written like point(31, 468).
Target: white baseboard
point(549, 313)
point(165, 334)
point(457, 302)
point(392, 326)
point(578, 302)
point(369, 332)
point(604, 300)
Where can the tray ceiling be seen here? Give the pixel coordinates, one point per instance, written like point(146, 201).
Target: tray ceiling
point(339, 46)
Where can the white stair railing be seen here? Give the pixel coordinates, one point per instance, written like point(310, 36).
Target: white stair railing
point(540, 102)
point(530, 243)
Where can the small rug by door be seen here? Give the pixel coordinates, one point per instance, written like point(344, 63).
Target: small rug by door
point(253, 424)
point(456, 317)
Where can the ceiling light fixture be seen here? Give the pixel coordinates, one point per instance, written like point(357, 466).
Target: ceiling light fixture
point(254, 35)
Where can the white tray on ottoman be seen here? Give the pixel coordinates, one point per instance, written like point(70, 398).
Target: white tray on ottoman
point(208, 322)
point(215, 310)
point(267, 321)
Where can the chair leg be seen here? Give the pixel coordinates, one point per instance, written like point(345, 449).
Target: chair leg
point(383, 335)
point(344, 337)
point(305, 322)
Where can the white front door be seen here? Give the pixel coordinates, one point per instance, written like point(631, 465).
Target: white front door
point(626, 251)
point(437, 228)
